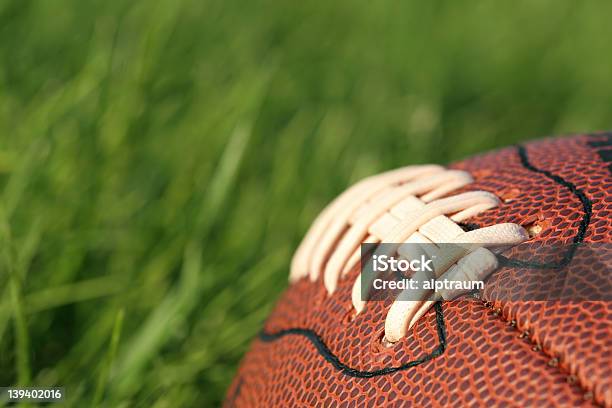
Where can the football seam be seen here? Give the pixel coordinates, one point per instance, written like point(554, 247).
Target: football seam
point(587, 208)
point(587, 393)
point(333, 359)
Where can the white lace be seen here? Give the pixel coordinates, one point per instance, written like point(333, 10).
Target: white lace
point(404, 206)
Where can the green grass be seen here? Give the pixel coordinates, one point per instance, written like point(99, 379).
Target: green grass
point(160, 160)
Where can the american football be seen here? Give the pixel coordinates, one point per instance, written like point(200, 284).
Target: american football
point(325, 345)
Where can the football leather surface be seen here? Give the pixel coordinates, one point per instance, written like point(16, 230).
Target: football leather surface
point(478, 350)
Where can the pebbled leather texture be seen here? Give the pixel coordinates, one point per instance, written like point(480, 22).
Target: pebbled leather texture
point(314, 350)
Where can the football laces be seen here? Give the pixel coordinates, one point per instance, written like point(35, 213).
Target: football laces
point(411, 205)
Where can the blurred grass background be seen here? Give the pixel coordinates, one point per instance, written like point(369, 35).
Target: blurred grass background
point(160, 160)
